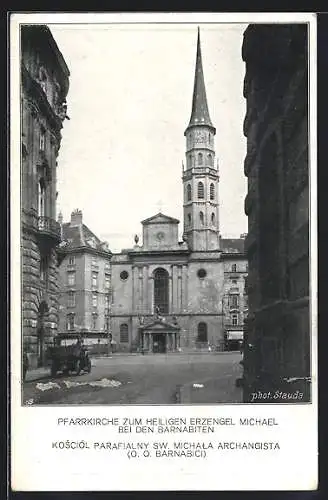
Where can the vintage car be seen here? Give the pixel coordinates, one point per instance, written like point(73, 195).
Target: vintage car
point(67, 357)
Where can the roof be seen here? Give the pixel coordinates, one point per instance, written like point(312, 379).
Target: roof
point(232, 245)
point(160, 219)
point(78, 236)
point(199, 113)
point(41, 34)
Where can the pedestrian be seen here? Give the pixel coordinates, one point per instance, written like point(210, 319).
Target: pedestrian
point(25, 365)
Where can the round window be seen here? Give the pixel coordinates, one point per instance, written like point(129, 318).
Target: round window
point(124, 275)
point(201, 273)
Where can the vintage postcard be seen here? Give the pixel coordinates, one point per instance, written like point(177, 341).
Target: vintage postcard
point(163, 239)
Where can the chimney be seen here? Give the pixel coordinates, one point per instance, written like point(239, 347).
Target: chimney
point(76, 217)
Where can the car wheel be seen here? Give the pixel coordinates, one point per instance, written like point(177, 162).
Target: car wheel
point(54, 369)
point(78, 367)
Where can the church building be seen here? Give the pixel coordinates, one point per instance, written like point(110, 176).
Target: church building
point(168, 294)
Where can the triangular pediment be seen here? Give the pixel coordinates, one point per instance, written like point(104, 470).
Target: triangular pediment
point(161, 325)
point(160, 219)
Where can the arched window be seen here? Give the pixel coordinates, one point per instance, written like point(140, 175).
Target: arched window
point(202, 332)
point(188, 192)
point(200, 190)
point(213, 218)
point(124, 333)
point(161, 291)
point(201, 218)
point(209, 159)
point(189, 219)
point(200, 158)
point(212, 191)
point(234, 268)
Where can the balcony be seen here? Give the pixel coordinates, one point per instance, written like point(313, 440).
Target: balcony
point(49, 229)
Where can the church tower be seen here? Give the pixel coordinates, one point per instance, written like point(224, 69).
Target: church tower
point(200, 176)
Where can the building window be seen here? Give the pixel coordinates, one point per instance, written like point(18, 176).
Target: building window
point(234, 319)
point(245, 301)
point(212, 191)
point(209, 159)
point(42, 142)
point(124, 333)
point(246, 284)
point(94, 260)
point(201, 273)
point(161, 290)
point(200, 190)
point(213, 218)
point(233, 301)
point(43, 79)
point(234, 282)
point(94, 320)
point(107, 266)
point(107, 301)
point(189, 219)
point(71, 299)
point(94, 300)
point(70, 322)
point(200, 158)
point(234, 268)
point(246, 268)
point(94, 280)
point(71, 260)
point(201, 218)
point(124, 275)
point(106, 326)
point(43, 268)
point(71, 278)
point(188, 192)
point(41, 197)
point(107, 281)
point(202, 332)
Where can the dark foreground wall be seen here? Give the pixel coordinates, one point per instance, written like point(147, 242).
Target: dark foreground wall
point(277, 205)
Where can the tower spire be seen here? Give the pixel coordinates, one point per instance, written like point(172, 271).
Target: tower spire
point(199, 113)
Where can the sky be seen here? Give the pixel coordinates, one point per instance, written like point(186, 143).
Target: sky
point(129, 103)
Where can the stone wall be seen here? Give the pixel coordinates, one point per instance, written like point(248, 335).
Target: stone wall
point(39, 300)
point(44, 77)
point(276, 165)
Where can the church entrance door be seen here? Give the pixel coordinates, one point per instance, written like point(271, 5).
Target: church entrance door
point(159, 344)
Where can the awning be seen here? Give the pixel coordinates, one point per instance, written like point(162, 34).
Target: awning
point(235, 335)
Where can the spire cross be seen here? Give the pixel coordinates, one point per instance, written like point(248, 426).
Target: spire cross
point(160, 205)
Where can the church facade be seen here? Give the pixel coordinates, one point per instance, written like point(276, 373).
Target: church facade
point(168, 294)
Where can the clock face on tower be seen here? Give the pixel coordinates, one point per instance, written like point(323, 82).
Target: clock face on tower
point(160, 236)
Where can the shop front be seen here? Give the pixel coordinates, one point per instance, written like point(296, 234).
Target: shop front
point(234, 339)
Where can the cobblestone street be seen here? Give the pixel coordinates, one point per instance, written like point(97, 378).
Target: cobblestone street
point(196, 378)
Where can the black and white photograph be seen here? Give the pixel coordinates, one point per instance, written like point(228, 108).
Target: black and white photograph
point(164, 214)
point(163, 251)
